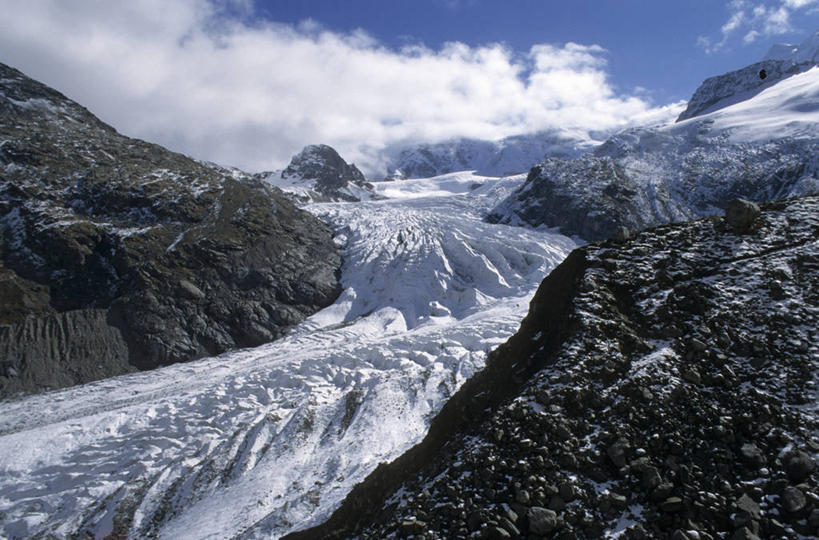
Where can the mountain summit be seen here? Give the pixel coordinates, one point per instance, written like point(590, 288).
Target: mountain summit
point(781, 62)
point(319, 174)
point(762, 148)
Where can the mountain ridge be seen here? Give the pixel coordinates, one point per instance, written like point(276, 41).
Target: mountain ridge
point(183, 260)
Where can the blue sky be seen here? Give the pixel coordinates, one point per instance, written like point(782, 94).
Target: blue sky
point(250, 82)
point(658, 45)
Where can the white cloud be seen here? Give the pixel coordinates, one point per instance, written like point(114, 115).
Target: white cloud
point(755, 19)
point(189, 76)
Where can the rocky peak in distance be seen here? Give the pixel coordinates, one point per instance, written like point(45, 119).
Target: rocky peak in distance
point(319, 174)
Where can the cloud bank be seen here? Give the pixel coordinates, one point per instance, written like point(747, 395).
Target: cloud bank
point(206, 79)
point(750, 20)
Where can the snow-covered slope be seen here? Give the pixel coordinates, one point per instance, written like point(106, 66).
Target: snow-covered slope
point(781, 62)
point(807, 51)
point(763, 148)
point(259, 442)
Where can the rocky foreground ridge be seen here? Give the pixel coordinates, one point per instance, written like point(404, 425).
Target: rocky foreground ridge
point(663, 387)
point(118, 254)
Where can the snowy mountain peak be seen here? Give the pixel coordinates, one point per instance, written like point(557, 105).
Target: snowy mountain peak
point(323, 164)
point(781, 62)
point(807, 51)
point(512, 155)
point(319, 174)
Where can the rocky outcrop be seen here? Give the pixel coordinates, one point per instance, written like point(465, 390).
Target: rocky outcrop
point(319, 174)
point(645, 177)
point(662, 387)
point(60, 350)
point(185, 259)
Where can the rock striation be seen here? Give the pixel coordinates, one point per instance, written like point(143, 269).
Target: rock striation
point(119, 253)
point(660, 387)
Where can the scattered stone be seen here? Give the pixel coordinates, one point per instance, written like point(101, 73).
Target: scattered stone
point(567, 491)
point(697, 345)
point(793, 500)
point(651, 478)
point(692, 375)
point(618, 501)
point(671, 505)
point(740, 215)
point(412, 526)
point(752, 455)
point(523, 497)
point(617, 452)
point(799, 465)
point(621, 234)
point(541, 520)
point(744, 533)
point(495, 533)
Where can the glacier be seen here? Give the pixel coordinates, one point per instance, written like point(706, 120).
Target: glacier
point(259, 442)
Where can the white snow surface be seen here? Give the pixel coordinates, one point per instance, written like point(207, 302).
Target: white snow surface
point(790, 108)
point(807, 51)
point(259, 442)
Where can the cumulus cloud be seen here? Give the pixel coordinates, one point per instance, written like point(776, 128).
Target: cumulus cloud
point(205, 78)
point(753, 19)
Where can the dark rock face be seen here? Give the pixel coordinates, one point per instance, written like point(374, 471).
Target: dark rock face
point(322, 164)
point(585, 417)
point(176, 258)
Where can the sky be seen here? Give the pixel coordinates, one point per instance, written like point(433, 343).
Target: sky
point(248, 83)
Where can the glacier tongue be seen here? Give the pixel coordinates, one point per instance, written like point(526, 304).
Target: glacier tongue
point(261, 441)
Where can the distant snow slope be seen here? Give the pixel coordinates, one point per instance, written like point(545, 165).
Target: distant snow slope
point(781, 62)
point(512, 155)
point(261, 441)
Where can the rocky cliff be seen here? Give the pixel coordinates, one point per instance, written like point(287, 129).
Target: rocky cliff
point(663, 387)
point(119, 253)
point(319, 174)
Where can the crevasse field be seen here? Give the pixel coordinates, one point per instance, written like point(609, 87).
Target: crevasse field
point(259, 442)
